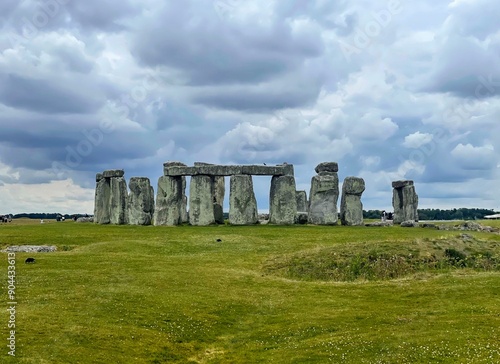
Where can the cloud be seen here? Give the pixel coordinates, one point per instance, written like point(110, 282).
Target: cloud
point(88, 86)
point(416, 140)
point(475, 158)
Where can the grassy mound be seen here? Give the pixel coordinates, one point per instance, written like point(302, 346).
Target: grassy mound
point(387, 260)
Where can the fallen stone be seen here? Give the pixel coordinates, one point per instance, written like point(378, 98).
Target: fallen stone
point(409, 223)
point(30, 249)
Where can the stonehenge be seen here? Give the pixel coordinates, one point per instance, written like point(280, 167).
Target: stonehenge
point(351, 208)
point(111, 198)
point(282, 200)
point(301, 198)
point(242, 202)
point(324, 195)
point(141, 202)
point(171, 200)
point(404, 201)
point(115, 203)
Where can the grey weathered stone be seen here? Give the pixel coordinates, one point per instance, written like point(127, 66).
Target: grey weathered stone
point(409, 223)
point(399, 184)
point(201, 208)
point(169, 201)
point(301, 218)
point(242, 202)
point(301, 198)
point(118, 201)
point(102, 201)
point(404, 202)
point(113, 173)
point(327, 167)
point(98, 177)
point(220, 170)
point(219, 191)
point(351, 208)
point(282, 200)
point(323, 199)
point(140, 201)
point(353, 186)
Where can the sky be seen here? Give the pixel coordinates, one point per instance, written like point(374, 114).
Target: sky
point(390, 90)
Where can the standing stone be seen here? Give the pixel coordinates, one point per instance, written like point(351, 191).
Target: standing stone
point(351, 208)
point(201, 205)
point(242, 202)
point(219, 191)
point(118, 201)
point(102, 200)
point(301, 198)
point(111, 198)
point(404, 201)
point(140, 201)
point(169, 201)
point(282, 200)
point(324, 195)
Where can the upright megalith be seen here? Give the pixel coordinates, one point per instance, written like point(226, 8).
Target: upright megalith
point(219, 190)
point(171, 200)
point(404, 201)
point(324, 195)
point(351, 208)
point(218, 198)
point(140, 201)
point(242, 202)
point(201, 200)
point(102, 200)
point(301, 198)
point(111, 196)
point(119, 199)
point(282, 200)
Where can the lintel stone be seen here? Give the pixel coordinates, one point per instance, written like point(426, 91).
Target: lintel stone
point(231, 170)
point(113, 173)
point(401, 184)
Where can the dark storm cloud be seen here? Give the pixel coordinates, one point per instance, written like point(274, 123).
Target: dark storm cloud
point(209, 51)
point(41, 96)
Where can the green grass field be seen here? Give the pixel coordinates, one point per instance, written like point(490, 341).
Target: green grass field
point(125, 294)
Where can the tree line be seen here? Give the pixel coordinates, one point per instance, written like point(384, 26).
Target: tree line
point(438, 214)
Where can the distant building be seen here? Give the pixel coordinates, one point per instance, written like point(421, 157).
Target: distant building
point(495, 217)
